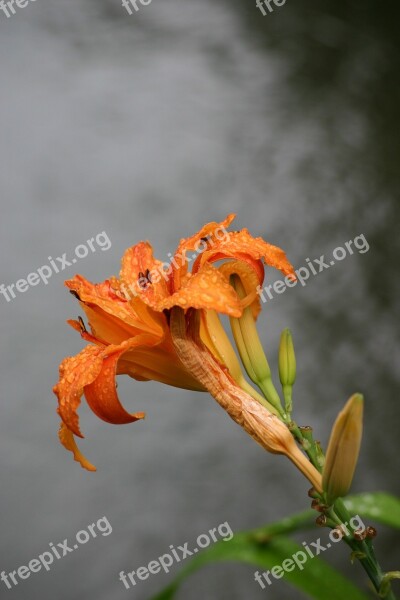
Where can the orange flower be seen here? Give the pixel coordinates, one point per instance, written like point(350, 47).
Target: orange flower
point(205, 287)
point(126, 338)
point(129, 320)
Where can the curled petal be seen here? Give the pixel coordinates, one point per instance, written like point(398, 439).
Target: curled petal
point(75, 373)
point(98, 294)
point(114, 312)
point(102, 397)
point(242, 244)
point(209, 234)
point(249, 277)
point(207, 289)
point(68, 441)
point(207, 231)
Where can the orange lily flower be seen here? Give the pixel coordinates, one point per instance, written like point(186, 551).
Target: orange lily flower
point(134, 330)
point(126, 338)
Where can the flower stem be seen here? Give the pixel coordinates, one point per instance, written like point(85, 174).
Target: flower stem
point(364, 552)
point(308, 447)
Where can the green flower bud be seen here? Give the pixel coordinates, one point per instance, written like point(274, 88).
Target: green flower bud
point(287, 367)
point(343, 449)
point(251, 351)
point(287, 359)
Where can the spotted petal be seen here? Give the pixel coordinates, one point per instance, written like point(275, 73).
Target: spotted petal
point(208, 235)
point(207, 231)
point(75, 373)
point(142, 275)
point(242, 245)
point(110, 314)
point(78, 372)
point(207, 289)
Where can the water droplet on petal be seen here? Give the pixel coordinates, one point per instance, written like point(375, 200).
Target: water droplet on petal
point(206, 297)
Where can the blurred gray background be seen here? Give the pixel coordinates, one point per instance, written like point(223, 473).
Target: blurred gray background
point(146, 127)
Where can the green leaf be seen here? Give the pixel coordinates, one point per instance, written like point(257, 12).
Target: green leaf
point(269, 546)
point(296, 522)
point(378, 506)
point(317, 579)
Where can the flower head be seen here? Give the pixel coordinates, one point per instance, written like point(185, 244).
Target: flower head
point(129, 320)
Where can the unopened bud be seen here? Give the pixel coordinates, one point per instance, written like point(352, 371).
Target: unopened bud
point(220, 345)
point(343, 449)
point(287, 367)
point(251, 351)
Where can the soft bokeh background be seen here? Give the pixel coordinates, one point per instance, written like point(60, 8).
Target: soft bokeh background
point(147, 126)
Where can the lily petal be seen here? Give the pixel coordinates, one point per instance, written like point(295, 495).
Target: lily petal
point(207, 289)
point(68, 441)
point(242, 244)
point(207, 230)
point(102, 397)
point(250, 280)
point(75, 373)
point(141, 274)
point(79, 371)
point(103, 298)
point(191, 243)
point(159, 363)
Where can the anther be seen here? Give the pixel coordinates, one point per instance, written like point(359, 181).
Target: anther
point(82, 324)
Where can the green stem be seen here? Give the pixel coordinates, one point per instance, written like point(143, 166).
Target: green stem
point(366, 552)
point(309, 448)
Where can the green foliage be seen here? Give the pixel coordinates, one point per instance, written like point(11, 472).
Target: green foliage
point(378, 506)
point(270, 545)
